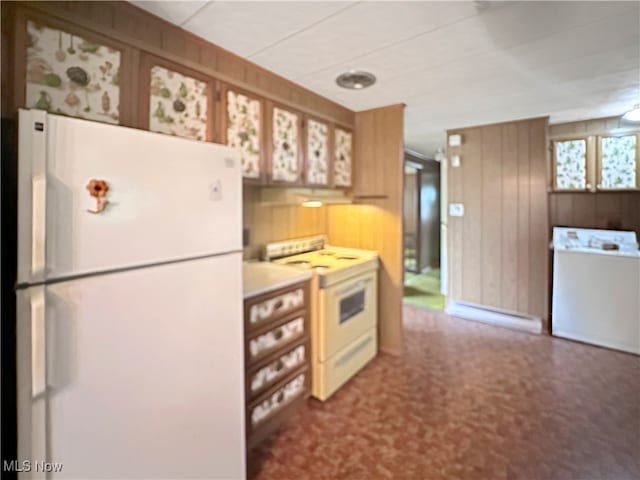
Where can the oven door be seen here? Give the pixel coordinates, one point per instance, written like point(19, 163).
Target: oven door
point(345, 311)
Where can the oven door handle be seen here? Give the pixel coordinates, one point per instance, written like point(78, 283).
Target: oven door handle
point(353, 288)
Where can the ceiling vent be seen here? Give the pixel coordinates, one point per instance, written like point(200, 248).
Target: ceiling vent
point(356, 80)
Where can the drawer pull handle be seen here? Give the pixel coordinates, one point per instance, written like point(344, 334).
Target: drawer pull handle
point(276, 337)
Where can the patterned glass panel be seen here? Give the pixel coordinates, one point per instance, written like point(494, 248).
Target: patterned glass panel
point(243, 131)
point(284, 159)
point(271, 372)
point(317, 152)
point(342, 160)
point(70, 75)
point(276, 338)
point(276, 306)
point(178, 104)
point(571, 164)
point(618, 162)
point(277, 399)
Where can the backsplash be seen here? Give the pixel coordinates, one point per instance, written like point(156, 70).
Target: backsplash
point(269, 223)
point(615, 211)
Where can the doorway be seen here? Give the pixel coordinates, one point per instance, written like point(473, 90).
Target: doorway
point(422, 229)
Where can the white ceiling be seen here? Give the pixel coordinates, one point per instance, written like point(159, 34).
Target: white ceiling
point(453, 64)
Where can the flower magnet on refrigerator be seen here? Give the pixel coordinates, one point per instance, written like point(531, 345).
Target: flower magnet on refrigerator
point(98, 189)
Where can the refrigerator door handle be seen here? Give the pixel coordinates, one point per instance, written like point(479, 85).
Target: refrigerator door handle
point(38, 342)
point(39, 195)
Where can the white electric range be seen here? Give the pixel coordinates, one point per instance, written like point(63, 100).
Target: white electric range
point(344, 307)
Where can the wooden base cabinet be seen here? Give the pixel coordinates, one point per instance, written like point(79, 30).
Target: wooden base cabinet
point(277, 353)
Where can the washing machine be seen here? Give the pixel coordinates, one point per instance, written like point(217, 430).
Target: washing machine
point(596, 287)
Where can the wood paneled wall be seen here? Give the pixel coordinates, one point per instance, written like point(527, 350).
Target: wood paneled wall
point(139, 32)
point(498, 251)
point(379, 168)
point(596, 210)
point(599, 209)
point(268, 223)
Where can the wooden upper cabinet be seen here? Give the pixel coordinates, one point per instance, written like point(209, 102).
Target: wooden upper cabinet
point(317, 152)
point(284, 144)
point(597, 162)
point(342, 157)
point(242, 129)
point(176, 101)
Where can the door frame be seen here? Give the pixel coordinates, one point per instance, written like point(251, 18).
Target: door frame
point(418, 242)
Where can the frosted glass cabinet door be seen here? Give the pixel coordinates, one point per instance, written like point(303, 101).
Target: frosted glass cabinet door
point(618, 162)
point(71, 75)
point(343, 158)
point(317, 152)
point(243, 130)
point(178, 104)
point(570, 164)
point(284, 148)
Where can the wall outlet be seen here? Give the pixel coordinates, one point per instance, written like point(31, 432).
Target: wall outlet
point(455, 161)
point(456, 210)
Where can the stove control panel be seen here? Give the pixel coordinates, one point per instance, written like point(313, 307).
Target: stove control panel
point(287, 248)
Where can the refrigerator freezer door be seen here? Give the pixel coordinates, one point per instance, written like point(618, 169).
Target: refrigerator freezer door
point(148, 386)
point(168, 198)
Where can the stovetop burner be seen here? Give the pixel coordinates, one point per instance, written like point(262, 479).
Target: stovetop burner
point(327, 263)
point(320, 267)
point(302, 263)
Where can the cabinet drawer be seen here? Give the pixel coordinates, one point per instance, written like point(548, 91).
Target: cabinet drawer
point(267, 373)
point(286, 331)
point(266, 410)
point(263, 309)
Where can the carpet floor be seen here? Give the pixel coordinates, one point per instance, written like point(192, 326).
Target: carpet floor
point(423, 290)
point(469, 401)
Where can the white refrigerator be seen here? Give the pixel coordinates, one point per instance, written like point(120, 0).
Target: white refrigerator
point(129, 303)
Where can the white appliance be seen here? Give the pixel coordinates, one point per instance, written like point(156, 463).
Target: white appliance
point(596, 292)
point(344, 307)
point(130, 337)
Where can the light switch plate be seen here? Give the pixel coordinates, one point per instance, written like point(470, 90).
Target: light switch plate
point(455, 140)
point(455, 161)
point(456, 210)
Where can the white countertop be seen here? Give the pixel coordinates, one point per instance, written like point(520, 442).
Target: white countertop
point(261, 277)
